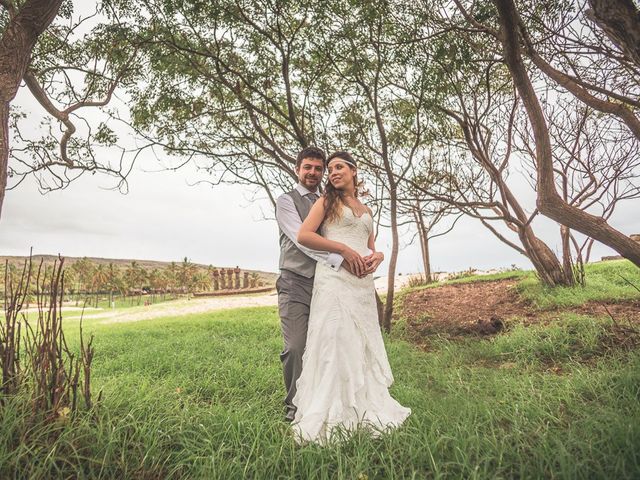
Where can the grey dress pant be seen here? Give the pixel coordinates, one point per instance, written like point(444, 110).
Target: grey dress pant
point(294, 299)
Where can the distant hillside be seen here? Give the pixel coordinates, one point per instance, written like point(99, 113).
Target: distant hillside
point(268, 277)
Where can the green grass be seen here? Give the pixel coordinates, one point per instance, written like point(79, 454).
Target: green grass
point(615, 280)
point(200, 397)
point(604, 281)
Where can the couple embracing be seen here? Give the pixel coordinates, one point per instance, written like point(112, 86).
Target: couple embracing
point(335, 365)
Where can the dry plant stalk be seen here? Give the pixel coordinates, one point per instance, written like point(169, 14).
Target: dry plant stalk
point(51, 370)
point(14, 299)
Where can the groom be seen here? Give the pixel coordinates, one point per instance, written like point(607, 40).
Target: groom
point(297, 267)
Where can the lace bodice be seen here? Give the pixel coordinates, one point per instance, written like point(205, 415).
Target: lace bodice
point(351, 230)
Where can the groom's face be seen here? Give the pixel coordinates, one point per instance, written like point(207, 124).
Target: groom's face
point(310, 173)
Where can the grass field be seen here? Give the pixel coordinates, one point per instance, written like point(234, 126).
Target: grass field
point(200, 397)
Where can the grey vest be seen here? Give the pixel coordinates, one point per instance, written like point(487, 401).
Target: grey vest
point(291, 258)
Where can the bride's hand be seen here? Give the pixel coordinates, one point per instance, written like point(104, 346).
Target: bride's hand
point(373, 261)
point(354, 260)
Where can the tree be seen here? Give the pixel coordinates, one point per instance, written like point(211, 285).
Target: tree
point(84, 269)
point(549, 202)
point(620, 21)
point(596, 165)
point(230, 86)
point(426, 216)
point(157, 282)
point(473, 109)
point(67, 70)
point(202, 280)
point(114, 281)
point(380, 109)
point(99, 281)
point(21, 31)
point(260, 88)
point(134, 278)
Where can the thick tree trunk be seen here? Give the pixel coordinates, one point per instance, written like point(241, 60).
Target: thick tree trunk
point(544, 261)
point(620, 21)
point(549, 202)
point(393, 260)
point(541, 256)
point(16, 44)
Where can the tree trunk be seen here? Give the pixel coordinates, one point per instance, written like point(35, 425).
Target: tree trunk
point(567, 262)
point(544, 261)
point(18, 39)
point(620, 21)
point(426, 259)
point(4, 149)
point(393, 260)
point(423, 234)
point(549, 202)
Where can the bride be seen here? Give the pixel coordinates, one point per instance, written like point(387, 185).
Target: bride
point(345, 371)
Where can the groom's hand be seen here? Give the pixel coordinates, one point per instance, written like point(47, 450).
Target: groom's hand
point(350, 269)
point(354, 260)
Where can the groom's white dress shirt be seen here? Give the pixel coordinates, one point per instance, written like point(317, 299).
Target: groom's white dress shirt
point(289, 222)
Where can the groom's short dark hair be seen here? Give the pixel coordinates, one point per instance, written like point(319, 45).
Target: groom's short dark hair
point(311, 152)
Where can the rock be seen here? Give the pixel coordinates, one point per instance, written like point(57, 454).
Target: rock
point(494, 325)
point(612, 257)
point(634, 236)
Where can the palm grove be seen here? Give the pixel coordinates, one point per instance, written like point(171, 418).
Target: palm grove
point(440, 101)
point(89, 282)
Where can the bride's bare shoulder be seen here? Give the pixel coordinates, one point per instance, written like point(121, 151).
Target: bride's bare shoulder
point(367, 208)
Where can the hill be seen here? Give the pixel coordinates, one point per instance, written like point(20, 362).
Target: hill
point(268, 277)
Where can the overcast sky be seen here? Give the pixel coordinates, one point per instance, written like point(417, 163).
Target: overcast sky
point(164, 218)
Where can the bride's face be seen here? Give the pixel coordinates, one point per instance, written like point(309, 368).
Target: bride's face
point(341, 174)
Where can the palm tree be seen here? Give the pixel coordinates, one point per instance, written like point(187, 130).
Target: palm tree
point(114, 281)
point(135, 276)
point(70, 281)
point(99, 280)
point(84, 269)
point(158, 282)
point(186, 275)
point(202, 280)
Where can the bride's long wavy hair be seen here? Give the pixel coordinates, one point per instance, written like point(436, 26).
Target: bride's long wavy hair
point(333, 197)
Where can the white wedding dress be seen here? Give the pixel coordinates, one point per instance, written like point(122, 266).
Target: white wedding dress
point(345, 371)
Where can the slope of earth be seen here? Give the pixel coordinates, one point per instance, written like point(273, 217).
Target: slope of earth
point(487, 307)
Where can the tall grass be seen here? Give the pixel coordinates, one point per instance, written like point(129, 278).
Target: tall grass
point(616, 280)
point(201, 397)
point(613, 280)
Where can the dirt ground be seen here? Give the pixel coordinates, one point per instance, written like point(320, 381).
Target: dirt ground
point(483, 308)
point(184, 307)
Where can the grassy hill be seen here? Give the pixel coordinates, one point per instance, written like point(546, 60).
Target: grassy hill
point(200, 396)
point(268, 277)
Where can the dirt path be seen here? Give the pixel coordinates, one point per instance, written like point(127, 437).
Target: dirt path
point(200, 305)
point(183, 307)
